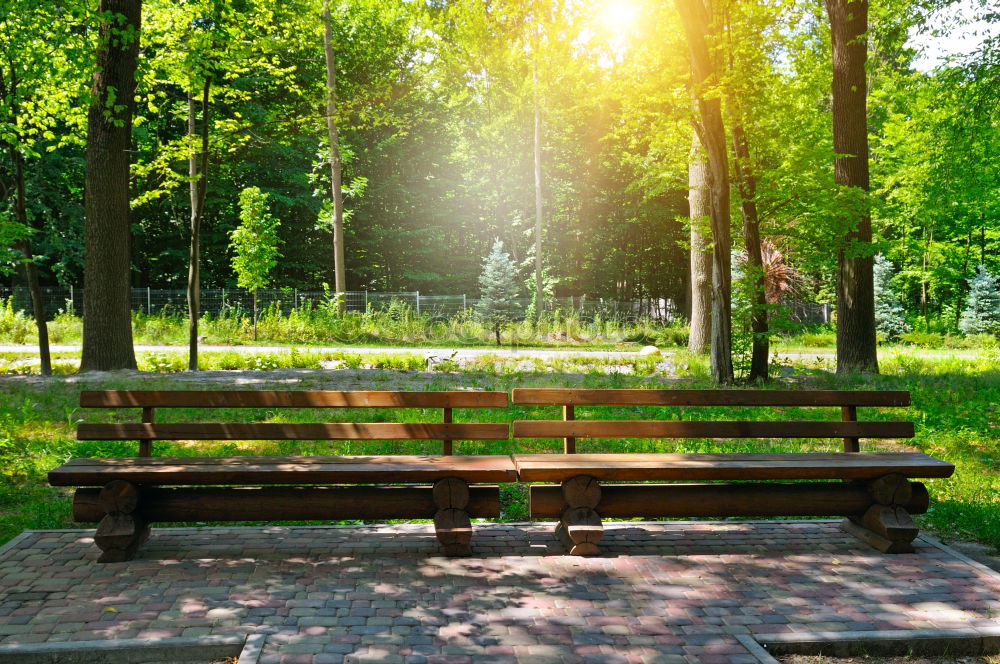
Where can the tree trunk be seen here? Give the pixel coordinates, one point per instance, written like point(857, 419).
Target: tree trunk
point(198, 187)
point(538, 191)
point(712, 133)
point(107, 317)
point(856, 350)
point(255, 314)
point(924, 279)
point(699, 204)
point(747, 184)
point(29, 267)
point(336, 195)
point(964, 280)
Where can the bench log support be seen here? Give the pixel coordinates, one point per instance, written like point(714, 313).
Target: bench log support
point(579, 526)
point(887, 525)
point(451, 521)
point(123, 529)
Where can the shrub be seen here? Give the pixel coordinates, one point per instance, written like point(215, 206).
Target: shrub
point(923, 339)
point(819, 339)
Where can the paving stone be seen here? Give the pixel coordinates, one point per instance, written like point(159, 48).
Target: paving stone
point(668, 592)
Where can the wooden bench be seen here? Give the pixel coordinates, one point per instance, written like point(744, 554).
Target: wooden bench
point(126, 494)
point(875, 493)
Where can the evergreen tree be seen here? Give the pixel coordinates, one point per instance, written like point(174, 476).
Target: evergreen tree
point(890, 319)
point(498, 288)
point(982, 305)
point(255, 244)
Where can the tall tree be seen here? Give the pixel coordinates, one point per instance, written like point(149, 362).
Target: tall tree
point(333, 139)
point(107, 317)
point(537, 145)
point(699, 204)
point(856, 348)
point(700, 28)
point(38, 46)
point(198, 188)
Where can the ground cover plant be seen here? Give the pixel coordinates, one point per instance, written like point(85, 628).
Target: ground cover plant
point(956, 408)
point(397, 324)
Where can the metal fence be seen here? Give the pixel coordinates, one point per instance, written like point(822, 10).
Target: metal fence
point(216, 301)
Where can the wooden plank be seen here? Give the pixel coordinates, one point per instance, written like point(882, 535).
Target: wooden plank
point(653, 467)
point(569, 443)
point(655, 501)
point(716, 429)
point(288, 399)
point(292, 431)
point(288, 503)
point(850, 414)
point(145, 444)
point(583, 397)
point(252, 471)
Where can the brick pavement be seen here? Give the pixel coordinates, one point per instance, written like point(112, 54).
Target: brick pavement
point(667, 592)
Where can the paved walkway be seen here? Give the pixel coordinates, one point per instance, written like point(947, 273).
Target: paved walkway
point(668, 592)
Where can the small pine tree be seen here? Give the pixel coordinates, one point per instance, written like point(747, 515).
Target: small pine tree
point(890, 319)
point(498, 288)
point(982, 305)
point(255, 244)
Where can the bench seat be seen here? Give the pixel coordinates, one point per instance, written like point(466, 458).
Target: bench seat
point(666, 467)
point(298, 470)
point(874, 493)
point(124, 495)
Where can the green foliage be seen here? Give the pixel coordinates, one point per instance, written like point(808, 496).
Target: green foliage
point(890, 319)
point(982, 305)
point(923, 339)
point(254, 241)
point(953, 408)
point(497, 289)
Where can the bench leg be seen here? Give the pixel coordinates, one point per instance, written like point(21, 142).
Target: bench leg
point(451, 522)
point(579, 527)
point(123, 529)
point(886, 525)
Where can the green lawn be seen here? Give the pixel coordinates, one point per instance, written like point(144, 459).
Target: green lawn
point(956, 408)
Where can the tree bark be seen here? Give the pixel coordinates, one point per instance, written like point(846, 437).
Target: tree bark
point(198, 170)
point(538, 190)
point(336, 193)
point(28, 266)
point(856, 350)
point(747, 184)
point(107, 317)
point(699, 205)
point(8, 90)
point(711, 131)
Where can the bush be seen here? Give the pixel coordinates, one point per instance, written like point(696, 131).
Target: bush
point(923, 339)
point(818, 339)
point(15, 326)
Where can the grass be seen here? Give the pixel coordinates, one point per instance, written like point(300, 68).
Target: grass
point(956, 408)
point(395, 325)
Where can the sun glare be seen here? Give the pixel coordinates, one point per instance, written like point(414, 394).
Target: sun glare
point(618, 16)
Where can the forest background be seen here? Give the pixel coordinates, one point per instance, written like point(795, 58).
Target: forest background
point(439, 108)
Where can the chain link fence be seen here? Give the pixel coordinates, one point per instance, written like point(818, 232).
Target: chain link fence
point(218, 301)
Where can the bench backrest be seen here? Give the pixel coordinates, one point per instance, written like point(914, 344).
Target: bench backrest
point(848, 427)
point(148, 430)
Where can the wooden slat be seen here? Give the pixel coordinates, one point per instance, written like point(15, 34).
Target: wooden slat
point(659, 467)
point(252, 471)
point(722, 499)
point(285, 503)
point(687, 429)
point(288, 399)
point(292, 431)
point(582, 397)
